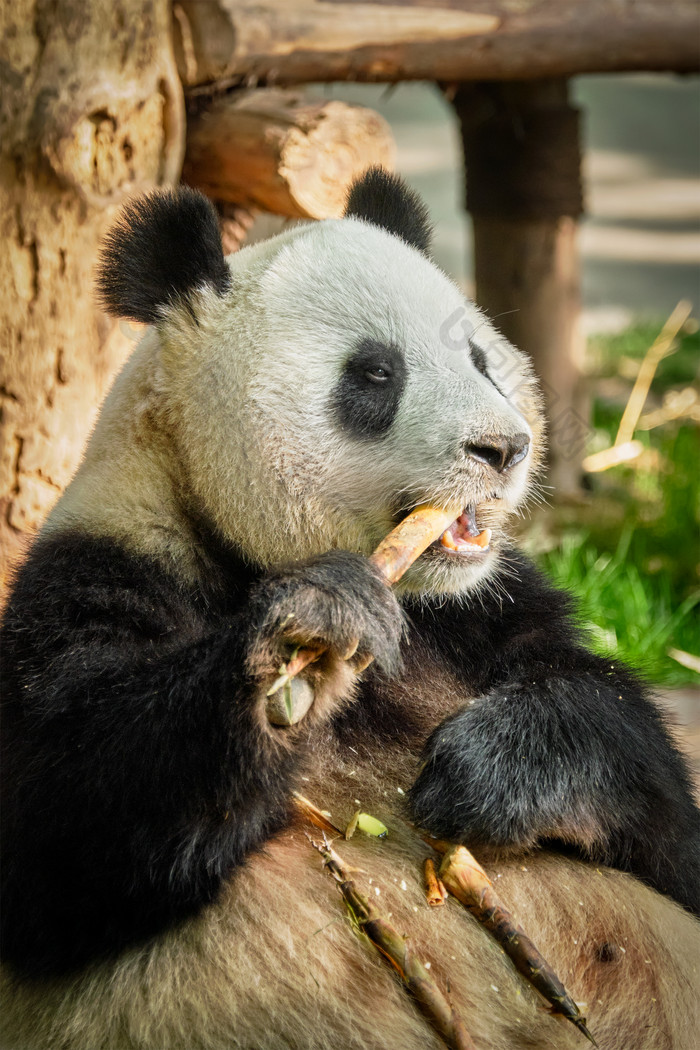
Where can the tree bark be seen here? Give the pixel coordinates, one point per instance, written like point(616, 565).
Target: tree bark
point(284, 153)
point(90, 112)
point(296, 41)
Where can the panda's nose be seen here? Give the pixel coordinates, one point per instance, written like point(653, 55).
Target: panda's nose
point(498, 451)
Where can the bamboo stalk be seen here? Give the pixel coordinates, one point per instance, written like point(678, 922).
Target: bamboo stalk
point(317, 817)
point(394, 555)
point(411, 537)
point(466, 880)
point(397, 951)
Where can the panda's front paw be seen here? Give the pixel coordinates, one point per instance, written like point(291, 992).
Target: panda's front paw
point(513, 768)
point(337, 603)
point(479, 784)
point(453, 797)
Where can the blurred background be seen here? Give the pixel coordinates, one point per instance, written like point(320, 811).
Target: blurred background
point(640, 237)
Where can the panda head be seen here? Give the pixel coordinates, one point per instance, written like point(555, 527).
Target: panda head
point(306, 393)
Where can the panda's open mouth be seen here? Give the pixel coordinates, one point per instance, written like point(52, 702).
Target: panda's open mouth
point(464, 537)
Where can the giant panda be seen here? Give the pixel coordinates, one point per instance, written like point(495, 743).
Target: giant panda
point(285, 408)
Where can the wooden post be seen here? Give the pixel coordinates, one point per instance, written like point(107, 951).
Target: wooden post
point(522, 160)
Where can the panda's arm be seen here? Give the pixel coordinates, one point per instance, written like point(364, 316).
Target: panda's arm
point(556, 744)
point(139, 768)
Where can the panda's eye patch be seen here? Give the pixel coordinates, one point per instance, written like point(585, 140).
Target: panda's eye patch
point(367, 396)
point(479, 359)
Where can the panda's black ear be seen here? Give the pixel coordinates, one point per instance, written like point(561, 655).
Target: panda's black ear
point(385, 200)
point(163, 247)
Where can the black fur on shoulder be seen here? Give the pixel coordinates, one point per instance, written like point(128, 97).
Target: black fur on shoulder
point(163, 247)
point(386, 201)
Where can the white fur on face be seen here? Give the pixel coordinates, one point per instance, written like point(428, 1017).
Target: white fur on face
point(244, 392)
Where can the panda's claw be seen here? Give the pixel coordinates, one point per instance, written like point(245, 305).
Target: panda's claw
point(351, 649)
point(362, 662)
point(335, 615)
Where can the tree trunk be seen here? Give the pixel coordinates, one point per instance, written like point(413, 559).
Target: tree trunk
point(286, 42)
point(90, 112)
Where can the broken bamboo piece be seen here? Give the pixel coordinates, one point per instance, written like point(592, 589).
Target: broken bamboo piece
point(394, 555)
point(435, 891)
point(466, 880)
point(318, 817)
point(397, 950)
point(283, 152)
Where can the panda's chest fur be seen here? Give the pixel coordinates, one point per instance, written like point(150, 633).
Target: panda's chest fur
point(371, 752)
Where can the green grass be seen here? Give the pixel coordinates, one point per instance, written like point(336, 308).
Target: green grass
point(627, 612)
point(633, 554)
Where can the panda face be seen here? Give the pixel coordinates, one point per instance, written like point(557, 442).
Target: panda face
point(305, 394)
point(330, 404)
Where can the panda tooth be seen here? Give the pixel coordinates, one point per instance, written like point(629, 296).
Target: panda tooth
point(447, 541)
point(483, 539)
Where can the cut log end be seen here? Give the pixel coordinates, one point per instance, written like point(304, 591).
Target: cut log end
point(284, 153)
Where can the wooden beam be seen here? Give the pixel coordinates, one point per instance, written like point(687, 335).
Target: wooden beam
point(297, 41)
point(284, 153)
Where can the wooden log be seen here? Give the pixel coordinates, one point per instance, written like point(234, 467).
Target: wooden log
point(297, 41)
point(284, 153)
point(524, 195)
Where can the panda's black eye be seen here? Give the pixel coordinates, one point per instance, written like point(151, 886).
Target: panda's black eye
point(378, 373)
point(367, 396)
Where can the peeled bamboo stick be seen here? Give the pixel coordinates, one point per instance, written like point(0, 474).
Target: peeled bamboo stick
point(397, 950)
point(411, 537)
point(466, 880)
